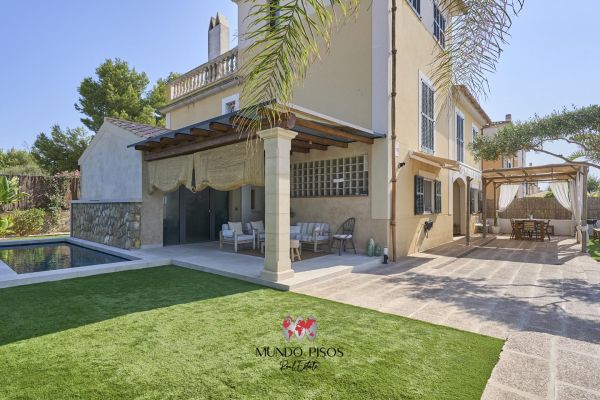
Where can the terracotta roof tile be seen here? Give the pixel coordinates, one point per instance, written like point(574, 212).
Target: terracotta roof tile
point(141, 130)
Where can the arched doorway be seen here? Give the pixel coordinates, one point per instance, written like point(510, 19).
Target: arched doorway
point(459, 204)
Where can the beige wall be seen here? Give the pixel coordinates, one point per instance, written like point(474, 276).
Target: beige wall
point(335, 210)
point(200, 110)
point(152, 213)
point(339, 84)
point(416, 50)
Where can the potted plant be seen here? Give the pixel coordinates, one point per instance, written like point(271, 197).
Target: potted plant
point(496, 226)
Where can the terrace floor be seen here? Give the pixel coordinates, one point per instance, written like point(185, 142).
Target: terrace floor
point(208, 257)
point(543, 296)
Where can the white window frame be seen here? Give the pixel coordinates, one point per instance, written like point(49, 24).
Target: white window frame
point(460, 114)
point(229, 99)
point(424, 80)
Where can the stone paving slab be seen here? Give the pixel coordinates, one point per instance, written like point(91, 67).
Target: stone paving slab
point(543, 298)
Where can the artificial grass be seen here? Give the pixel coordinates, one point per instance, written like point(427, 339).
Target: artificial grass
point(594, 249)
point(173, 333)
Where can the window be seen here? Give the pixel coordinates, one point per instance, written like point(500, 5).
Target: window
point(439, 26)
point(230, 104)
point(252, 199)
point(460, 138)
point(427, 118)
point(508, 163)
point(416, 5)
point(475, 133)
point(428, 196)
point(329, 178)
point(475, 201)
point(274, 12)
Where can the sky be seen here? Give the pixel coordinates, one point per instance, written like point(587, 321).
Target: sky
point(551, 60)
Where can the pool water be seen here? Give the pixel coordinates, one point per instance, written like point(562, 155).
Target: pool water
point(24, 259)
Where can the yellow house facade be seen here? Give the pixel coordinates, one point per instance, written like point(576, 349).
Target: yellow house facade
point(332, 158)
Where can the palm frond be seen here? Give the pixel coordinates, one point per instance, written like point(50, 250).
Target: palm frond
point(477, 32)
point(286, 38)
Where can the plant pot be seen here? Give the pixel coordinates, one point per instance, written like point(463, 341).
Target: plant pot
point(495, 230)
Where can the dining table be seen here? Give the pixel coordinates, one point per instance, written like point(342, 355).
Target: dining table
point(540, 226)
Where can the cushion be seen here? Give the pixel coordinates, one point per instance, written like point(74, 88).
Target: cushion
point(258, 226)
point(228, 233)
point(321, 238)
point(248, 238)
point(237, 227)
point(341, 236)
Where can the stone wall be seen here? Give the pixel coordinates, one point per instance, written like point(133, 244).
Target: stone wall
point(111, 224)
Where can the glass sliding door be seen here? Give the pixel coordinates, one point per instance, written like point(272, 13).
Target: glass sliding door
point(194, 217)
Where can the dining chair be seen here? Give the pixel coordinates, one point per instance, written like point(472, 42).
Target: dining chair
point(547, 230)
point(529, 229)
point(513, 227)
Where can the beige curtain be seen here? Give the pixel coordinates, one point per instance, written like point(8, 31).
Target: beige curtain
point(230, 167)
point(168, 174)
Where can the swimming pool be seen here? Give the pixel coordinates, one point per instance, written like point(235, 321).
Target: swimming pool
point(27, 258)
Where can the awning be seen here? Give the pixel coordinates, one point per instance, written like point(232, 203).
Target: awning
point(439, 162)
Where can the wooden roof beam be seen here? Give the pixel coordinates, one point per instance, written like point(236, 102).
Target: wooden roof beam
point(306, 145)
point(305, 123)
point(192, 147)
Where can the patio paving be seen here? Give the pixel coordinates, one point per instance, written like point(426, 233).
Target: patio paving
point(208, 257)
point(543, 297)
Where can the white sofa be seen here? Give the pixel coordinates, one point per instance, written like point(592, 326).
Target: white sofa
point(313, 234)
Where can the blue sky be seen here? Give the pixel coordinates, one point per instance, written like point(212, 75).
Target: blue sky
point(49, 47)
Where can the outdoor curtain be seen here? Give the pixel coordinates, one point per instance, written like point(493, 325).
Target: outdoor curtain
point(168, 174)
point(562, 194)
point(507, 195)
point(569, 195)
point(230, 167)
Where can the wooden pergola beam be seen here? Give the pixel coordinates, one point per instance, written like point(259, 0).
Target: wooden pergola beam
point(296, 149)
point(307, 145)
point(200, 132)
point(317, 127)
point(208, 143)
point(319, 140)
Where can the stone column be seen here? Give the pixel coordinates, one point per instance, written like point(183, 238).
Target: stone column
point(277, 143)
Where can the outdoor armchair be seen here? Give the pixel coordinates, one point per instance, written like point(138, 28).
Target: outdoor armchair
point(232, 233)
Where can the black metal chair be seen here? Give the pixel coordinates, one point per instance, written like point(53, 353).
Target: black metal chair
point(345, 233)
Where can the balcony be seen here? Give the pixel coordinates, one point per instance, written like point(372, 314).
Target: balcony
point(206, 75)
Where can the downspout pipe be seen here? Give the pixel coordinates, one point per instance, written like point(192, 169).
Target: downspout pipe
point(393, 132)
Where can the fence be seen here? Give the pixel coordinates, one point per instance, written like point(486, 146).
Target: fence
point(543, 208)
point(37, 187)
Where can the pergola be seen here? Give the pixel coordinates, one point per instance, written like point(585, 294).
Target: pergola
point(542, 173)
point(313, 132)
point(294, 130)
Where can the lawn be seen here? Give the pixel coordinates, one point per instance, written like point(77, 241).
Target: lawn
point(594, 249)
point(174, 333)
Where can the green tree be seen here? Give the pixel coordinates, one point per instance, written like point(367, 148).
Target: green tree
point(60, 151)
point(579, 126)
point(18, 162)
point(593, 184)
point(286, 39)
point(119, 91)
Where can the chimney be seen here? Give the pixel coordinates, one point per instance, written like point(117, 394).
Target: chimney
point(218, 36)
point(508, 117)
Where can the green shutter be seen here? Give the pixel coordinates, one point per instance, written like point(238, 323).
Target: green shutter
point(438, 197)
point(419, 195)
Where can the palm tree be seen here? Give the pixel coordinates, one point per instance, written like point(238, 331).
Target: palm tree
point(287, 36)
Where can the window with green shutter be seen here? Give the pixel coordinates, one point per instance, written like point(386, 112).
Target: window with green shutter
point(438, 197)
point(419, 195)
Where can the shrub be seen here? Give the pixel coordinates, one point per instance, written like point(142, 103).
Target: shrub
point(28, 222)
point(6, 225)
